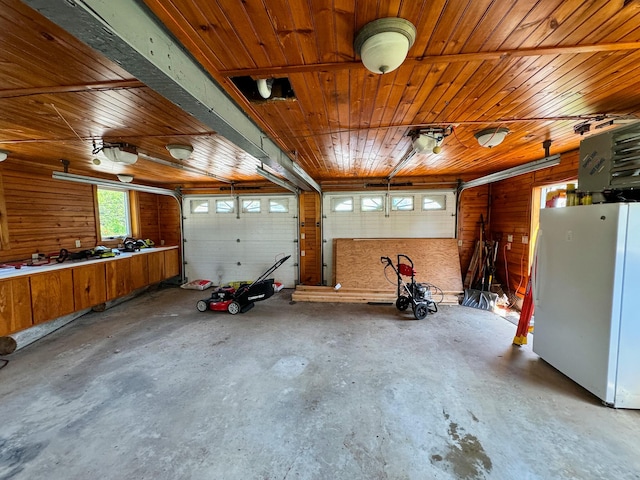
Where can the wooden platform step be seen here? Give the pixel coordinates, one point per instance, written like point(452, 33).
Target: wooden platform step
point(307, 293)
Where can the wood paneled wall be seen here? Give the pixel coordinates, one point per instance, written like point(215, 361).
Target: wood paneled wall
point(511, 205)
point(473, 204)
point(310, 239)
point(43, 215)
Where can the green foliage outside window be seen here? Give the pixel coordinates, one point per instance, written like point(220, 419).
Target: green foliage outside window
point(114, 213)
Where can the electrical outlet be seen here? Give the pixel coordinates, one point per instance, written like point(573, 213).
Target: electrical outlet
point(78, 244)
point(508, 246)
point(459, 243)
point(525, 239)
point(509, 238)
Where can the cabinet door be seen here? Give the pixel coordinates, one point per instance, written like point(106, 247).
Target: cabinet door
point(139, 272)
point(15, 305)
point(89, 285)
point(171, 263)
point(118, 278)
point(51, 295)
point(156, 266)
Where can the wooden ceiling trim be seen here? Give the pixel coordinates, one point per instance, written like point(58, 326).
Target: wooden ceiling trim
point(56, 89)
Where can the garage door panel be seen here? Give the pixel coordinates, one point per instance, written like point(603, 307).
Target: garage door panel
point(226, 247)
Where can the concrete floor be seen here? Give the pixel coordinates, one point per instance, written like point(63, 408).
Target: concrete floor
point(153, 389)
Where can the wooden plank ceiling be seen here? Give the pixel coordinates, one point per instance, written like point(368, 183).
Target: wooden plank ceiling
point(538, 68)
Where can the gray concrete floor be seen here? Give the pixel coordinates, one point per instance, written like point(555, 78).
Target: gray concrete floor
point(153, 389)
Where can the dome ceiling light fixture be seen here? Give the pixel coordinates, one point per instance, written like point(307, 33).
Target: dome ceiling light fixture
point(180, 152)
point(124, 178)
point(384, 43)
point(3, 155)
point(491, 137)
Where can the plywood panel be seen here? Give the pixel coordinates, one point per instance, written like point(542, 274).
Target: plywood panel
point(89, 285)
point(15, 305)
point(51, 295)
point(436, 261)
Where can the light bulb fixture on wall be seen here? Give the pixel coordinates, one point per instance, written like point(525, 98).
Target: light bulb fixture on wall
point(124, 178)
point(180, 152)
point(384, 43)
point(3, 155)
point(491, 137)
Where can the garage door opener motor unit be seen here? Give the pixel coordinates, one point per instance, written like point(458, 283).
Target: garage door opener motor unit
point(418, 295)
point(242, 299)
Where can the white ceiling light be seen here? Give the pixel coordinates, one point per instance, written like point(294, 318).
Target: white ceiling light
point(126, 154)
point(125, 178)
point(491, 137)
point(180, 152)
point(3, 155)
point(384, 43)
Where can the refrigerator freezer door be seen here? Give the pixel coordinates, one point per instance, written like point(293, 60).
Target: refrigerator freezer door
point(578, 291)
point(628, 378)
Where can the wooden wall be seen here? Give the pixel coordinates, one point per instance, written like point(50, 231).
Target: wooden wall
point(310, 239)
point(43, 215)
point(473, 204)
point(511, 215)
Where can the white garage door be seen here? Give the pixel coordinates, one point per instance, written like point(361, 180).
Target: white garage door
point(229, 239)
point(411, 214)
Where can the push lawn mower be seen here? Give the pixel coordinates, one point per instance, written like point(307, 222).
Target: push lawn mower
point(242, 299)
point(418, 295)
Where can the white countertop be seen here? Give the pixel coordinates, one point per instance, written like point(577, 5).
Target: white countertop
point(12, 272)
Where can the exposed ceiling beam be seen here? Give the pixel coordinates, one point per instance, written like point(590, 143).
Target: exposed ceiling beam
point(127, 33)
point(430, 59)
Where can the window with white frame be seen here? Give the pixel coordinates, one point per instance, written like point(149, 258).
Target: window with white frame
point(278, 205)
point(342, 204)
point(372, 204)
point(251, 206)
point(225, 206)
point(113, 208)
point(199, 206)
point(402, 204)
point(434, 202)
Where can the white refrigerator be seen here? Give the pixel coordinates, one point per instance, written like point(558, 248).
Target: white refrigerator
point(586, 292)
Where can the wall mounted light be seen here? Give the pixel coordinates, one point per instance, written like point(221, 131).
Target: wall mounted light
point(384, 43)
point(3, 155)
point(491, 137)
point(180, 152)
point(125, 178)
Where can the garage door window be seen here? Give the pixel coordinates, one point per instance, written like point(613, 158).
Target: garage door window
point(199, 206)
point(279, 205)
point(113, 208)
point(402, 204)
point(251, 206)
point(434, 202)
point(225, 206)
point(342, 204)
point(372, 204)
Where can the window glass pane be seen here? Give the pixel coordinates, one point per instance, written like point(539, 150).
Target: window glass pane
point(199, 206)
point(342, 204)
point(225, 206)
point(251, 206)
point(402, 203)
point(279, 205)
point(371, 204)
point(113, 206)
point(434, 202)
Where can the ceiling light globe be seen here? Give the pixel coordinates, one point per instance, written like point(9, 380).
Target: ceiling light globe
point(384, 43)
point(491, 137)
point(3, 155)
point(180, 152)
point(125, 178)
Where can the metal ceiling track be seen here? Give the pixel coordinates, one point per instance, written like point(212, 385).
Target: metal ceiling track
point(127, 33)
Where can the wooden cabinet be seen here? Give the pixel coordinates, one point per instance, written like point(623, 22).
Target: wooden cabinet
point(155, 262)
point(118, 278)
point(89, 286)
point(51, 295)
point(171, 263)
point(139, 272)
point(15, 305)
